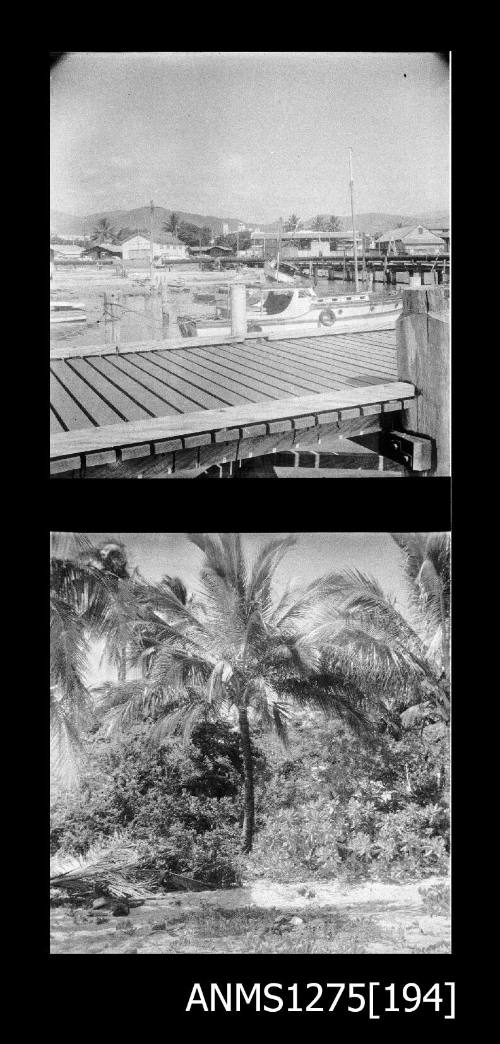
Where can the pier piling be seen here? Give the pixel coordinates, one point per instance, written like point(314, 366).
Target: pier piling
point(238, 310)
point(423, 358)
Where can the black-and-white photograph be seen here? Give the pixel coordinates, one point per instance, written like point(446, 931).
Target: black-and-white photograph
point(250, 743)
point(250, 264)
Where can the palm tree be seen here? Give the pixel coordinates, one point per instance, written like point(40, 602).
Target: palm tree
point(319, 223)
point(238, 655)
point(292, 224)
point(406, 660)
point(103, 232)
point(78, 597)
point(172, 223)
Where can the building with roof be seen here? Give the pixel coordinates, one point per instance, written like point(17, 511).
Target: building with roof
point(217, 250)
point(136, 247)
point(411, 239)
point(305, 243)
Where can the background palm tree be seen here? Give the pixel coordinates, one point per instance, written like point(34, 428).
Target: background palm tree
point(103, 232)
point(407, 660)
point(237, 654)
point(292, 224)
point(172, 223)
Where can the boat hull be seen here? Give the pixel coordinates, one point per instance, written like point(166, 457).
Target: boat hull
point(302, 327)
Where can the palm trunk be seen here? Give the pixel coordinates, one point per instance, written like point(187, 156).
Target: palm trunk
point(249, 807)
point(122, 667)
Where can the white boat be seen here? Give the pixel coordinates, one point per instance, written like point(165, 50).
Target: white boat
point(67, 312)
point(288, 308)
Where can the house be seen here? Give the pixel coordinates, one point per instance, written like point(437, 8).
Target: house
point(305, 243)
point(102, 252)
point(211, 251)
point(136, 247)
point(67, 251)
point(445, 234)
point(411, 239)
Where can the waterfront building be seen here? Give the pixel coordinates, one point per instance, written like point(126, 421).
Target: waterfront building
point(136, 247)
point(411, 239)
point(305, 243)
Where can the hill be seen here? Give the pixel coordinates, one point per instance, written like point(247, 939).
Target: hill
point(70, 224)
point(376, 222)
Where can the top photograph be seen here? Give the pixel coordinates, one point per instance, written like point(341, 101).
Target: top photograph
point(250, 264)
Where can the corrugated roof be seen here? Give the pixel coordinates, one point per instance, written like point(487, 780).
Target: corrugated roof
point(404, 232)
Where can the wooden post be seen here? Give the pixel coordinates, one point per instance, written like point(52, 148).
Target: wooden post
point(238, 310)
point(112, 318)
point(423, 357)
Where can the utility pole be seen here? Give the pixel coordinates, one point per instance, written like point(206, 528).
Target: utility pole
point(355, 245)
point(151, 214)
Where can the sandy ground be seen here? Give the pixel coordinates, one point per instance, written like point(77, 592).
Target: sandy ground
point(394, 914)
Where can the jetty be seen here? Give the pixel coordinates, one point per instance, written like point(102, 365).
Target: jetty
point(161, 409)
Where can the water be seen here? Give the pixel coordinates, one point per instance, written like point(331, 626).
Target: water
point(141, 313)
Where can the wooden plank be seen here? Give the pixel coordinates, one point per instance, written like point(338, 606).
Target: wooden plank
point(227, 435)
point(329, 364)
point(65, 351)
point(349, 366)
point(55, 424)
point(66, 408)
point(305, 377)
point(65, 464)
point(152, 405)
point(132, 452)
point(171, 398)
point(91, 372)
point(229, 381)
point(333, 473)
point(171, 381)
point(101, 457)
point(191, 441)
point(304, 422)
point(98, 408)
point(255, 377)
point(67, 443)
point(184, 368)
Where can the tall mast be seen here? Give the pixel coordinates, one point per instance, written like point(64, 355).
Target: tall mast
point(279, 250)
point(351, 183)
point(151, 213)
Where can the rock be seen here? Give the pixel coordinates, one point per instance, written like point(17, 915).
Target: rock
point(121, 909)
point(279, 921)
point(100, 919)
point(310, 895)
point(100, 903)
point(158, 926)
point(302, 891)
point(296, 921)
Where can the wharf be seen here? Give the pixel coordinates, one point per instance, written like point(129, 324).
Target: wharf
point(158, 408)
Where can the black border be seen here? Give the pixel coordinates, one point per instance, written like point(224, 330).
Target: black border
point(158, 989)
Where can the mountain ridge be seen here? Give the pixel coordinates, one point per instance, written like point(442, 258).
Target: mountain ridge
point(370, 221)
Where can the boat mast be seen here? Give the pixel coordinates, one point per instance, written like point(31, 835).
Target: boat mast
point(279, 249)
point(151, 214)
point(351, 183)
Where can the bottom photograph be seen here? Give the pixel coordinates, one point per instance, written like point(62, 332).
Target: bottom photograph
point(249, 740)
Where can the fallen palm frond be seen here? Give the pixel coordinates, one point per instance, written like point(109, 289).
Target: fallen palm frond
point(117, 870)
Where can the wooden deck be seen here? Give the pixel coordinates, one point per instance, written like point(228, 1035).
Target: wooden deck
point(145, 400)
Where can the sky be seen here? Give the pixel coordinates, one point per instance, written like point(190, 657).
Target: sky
point(252, 135)
point(157, 554)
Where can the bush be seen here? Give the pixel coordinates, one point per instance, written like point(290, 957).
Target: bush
point(338, 807)
point(180, 805)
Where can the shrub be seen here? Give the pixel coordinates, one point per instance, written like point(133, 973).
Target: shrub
point(180, 805)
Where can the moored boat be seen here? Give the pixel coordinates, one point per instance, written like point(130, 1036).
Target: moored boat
point(292, 306)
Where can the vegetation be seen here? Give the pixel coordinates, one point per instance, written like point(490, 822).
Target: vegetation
point(313, 725)
point(292, 224)
point(327, 223)
point(172, 223)
point(193, 235)
point(103, 232)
